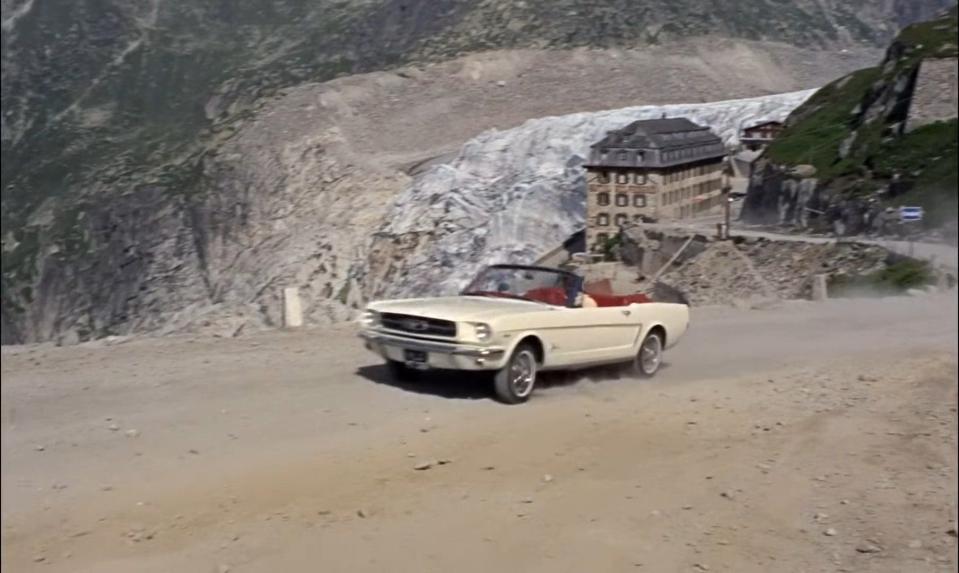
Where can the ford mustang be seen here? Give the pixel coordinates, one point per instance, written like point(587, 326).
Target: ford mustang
point(516, 321)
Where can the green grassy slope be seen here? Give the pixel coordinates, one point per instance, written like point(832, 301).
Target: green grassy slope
point(850, 130)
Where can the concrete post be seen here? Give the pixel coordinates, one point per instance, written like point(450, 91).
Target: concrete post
point(942, 281)
point(292, 311)
point(819, 291)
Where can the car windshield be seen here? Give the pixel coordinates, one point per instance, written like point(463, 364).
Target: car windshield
point(540, 285)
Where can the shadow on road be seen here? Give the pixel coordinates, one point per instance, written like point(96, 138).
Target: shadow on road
point(443, 383)
point(462, 385)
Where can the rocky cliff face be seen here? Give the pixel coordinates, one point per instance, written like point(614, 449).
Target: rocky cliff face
point(510, 196)
point(284, 204)
point(878, 137)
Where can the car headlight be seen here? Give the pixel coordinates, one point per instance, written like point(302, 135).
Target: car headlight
point(370, 318)
point(482, 331)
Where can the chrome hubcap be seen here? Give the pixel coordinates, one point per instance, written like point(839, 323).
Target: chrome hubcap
point(522, 373)
point(650, 354)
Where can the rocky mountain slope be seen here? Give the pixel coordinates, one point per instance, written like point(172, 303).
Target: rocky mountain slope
point(168, 165)
point(881, 136)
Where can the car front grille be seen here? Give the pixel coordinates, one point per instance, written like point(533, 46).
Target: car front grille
point(418, 325)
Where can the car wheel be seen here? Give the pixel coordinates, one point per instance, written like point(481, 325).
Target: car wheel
point(401, 372)
point(514, 382)
point(650, 355)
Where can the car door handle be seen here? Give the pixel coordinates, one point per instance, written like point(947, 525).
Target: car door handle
point(626, 313)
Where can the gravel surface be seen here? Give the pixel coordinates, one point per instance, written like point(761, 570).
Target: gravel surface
point(802, 437)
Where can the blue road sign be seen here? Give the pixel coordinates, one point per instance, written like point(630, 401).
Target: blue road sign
point(910, 214)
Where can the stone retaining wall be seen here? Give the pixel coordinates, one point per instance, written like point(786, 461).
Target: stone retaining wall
point(936, 95)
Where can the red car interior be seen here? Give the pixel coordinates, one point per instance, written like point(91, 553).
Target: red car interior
point(549, 295)
point(619, 300)
point(556, 295)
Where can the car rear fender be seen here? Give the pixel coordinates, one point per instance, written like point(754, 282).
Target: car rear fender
point(672, 318)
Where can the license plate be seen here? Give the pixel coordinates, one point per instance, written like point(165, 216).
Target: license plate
point(415, 356)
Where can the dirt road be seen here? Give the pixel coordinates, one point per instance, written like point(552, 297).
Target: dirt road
point(807, 437)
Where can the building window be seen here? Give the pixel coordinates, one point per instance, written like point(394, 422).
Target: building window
point(602, 198)
point(603, 154)
point(621, 219)
point(602, 220)
point(601, 239)
point(622, 200)
point(639, 178)
point(603, 177)
point(639, 157)
point(623, 156)
point(639, 200)
point(622, 178)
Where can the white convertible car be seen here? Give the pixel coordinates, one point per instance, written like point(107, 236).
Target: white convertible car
point(516, 321)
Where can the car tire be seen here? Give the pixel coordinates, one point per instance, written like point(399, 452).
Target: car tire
point(514, 383)
point(650, 355)
point(401, 372)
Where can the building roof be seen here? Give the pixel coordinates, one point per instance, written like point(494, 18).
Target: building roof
point(657, 133)
point(762, 124)
point(656, 143)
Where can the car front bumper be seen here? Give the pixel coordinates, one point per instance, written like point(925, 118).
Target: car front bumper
point(442, 355)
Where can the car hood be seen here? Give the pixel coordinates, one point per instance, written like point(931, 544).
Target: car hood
point(459, 308)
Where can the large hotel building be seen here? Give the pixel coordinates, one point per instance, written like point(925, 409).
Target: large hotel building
point(652, 170)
